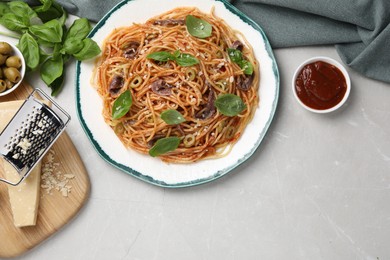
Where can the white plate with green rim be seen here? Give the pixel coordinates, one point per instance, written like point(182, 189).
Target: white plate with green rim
point(153, 170)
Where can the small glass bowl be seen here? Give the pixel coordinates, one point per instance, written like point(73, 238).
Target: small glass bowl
point(332, 62)
point(22, 69)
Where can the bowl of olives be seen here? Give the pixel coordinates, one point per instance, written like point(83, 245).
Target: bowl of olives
point(12, 67)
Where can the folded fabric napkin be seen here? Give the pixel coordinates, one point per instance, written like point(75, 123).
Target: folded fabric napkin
point(360, 29)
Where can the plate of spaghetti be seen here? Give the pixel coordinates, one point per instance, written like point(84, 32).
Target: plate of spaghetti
point(182, 92)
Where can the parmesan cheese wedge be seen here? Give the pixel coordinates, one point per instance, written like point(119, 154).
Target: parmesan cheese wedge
point(24, 198)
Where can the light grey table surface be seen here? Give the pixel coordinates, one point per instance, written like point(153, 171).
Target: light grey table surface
point(318, 187)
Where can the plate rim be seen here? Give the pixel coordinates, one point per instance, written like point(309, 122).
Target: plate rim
point(223, 172)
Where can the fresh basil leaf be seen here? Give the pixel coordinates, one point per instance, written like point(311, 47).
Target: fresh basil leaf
point(14, 22)
point(78, 30)
point(246, 66)
point(176, 53)
point(30, 50)
point(122, 105)
point(229, 104)
point(55, 11)
point(21, 9)
point(198, 27)
point(237, 57)
point(164, 145)
point(89, 50)
point(234, 55)
point(172, 117)
point(56, 54)
point(72, 46)
point(46, 4)
point(52, 69)
point(4, 8)
point(50, 31)
point(57, 84)
point(186, 60)
point(161, 56)
point(63, 17)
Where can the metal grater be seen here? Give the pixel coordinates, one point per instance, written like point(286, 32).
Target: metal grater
point(31, 132)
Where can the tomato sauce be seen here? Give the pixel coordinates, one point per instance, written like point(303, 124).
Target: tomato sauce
point(320, 85)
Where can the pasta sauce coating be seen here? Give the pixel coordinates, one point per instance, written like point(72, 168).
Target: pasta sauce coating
point(160, 85)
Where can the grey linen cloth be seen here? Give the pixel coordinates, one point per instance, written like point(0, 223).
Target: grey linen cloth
point(360, 29)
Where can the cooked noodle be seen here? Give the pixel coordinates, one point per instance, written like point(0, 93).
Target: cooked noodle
point(206, 133)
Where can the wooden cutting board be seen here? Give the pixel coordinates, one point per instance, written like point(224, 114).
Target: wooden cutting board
point(55, 209)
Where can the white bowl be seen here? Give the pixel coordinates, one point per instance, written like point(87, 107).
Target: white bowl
point(332, 62)
point(22, 69)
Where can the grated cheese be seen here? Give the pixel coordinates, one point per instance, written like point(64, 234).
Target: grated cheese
point(24, 145)
point(53, 179)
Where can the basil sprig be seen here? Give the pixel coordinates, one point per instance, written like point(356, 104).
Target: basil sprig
point(172, 117)
point(229, 104)
point(164, 145)
point(197, 27)
point(182, 59)
point(45, 41)
point(237, 57)
point(122, 105)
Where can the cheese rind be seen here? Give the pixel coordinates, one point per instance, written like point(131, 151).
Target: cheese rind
point(24, 198)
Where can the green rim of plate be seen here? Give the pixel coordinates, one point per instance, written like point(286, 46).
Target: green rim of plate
point(219, 173)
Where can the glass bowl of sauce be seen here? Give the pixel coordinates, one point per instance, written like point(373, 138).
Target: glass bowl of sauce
point(321, 84)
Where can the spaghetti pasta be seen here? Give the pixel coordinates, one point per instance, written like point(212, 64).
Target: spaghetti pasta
point(166, 68)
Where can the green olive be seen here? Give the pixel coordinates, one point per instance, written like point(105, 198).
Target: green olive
point(3, 86)
point(5, 48)
point(9, 84)
point(12, 74)
point(3, 58)
point(1, 73)
point(14, 61)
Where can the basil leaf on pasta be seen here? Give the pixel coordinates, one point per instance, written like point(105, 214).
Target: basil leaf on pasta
point(164, 145)
point(234, 55)
point(229, 104)
point(186, 60)
point(172, 117)
point(122, 105)
point(246, 66)
point(237, 57)
point(197, 27)
point(161, 56)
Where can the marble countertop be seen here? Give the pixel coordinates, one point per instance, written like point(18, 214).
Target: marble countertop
point(318, 187)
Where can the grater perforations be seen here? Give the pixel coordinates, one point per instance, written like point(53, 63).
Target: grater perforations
point(30, 133)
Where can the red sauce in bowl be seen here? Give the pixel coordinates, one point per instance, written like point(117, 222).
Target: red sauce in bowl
point(320, 85)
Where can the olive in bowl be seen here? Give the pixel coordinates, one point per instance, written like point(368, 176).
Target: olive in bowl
point(12, 68)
